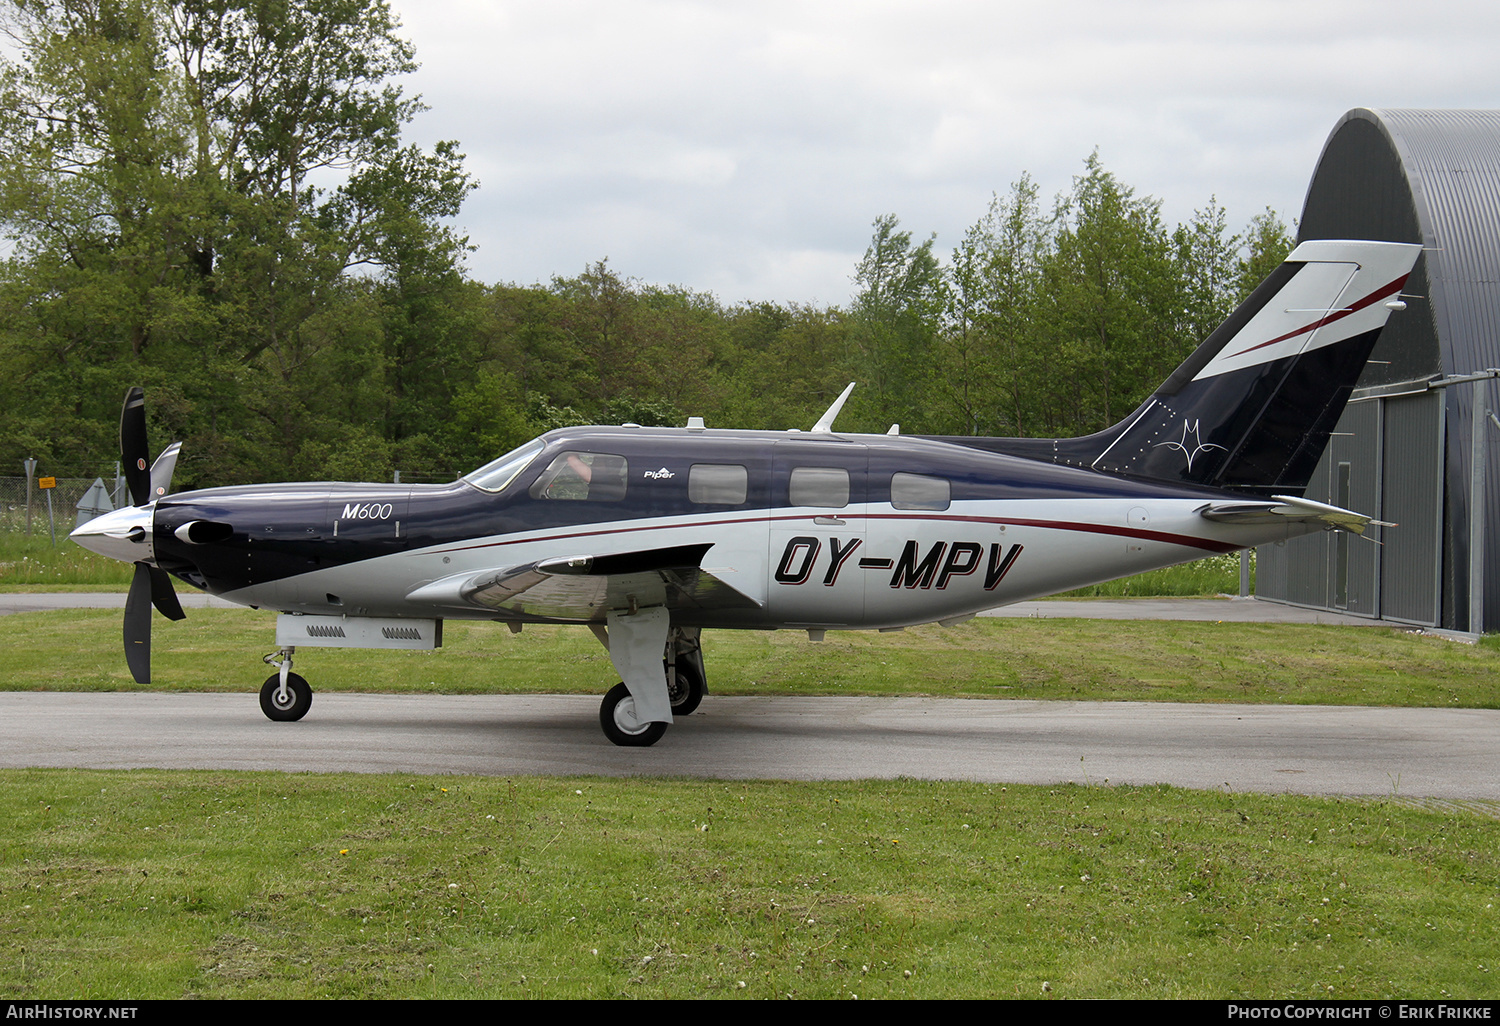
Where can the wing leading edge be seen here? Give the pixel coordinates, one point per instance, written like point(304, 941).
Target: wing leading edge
point(586, 587)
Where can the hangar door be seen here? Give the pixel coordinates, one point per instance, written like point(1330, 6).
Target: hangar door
point(1384, 459)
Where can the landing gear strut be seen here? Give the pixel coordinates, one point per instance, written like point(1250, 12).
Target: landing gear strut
point(285, 696)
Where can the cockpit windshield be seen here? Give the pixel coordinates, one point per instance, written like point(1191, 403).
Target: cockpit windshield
point(494, 476)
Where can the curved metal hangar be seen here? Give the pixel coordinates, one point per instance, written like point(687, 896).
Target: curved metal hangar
point(1410, 449)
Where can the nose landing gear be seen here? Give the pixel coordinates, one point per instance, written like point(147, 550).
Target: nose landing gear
point(285, 696)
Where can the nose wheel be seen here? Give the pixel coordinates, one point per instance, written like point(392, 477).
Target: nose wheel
point(287, 705)
point(285, 696)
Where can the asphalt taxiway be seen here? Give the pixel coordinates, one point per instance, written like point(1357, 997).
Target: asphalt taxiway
point(1444, 753)
point(1333, 750)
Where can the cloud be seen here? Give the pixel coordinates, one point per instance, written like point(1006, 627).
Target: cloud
point(745, 149)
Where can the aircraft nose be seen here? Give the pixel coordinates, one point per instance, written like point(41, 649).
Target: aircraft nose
point(123, 534)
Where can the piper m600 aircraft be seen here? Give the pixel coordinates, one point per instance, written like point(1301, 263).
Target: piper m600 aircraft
point(649, 535)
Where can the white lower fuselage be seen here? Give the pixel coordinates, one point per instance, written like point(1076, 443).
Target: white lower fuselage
point(868, 567)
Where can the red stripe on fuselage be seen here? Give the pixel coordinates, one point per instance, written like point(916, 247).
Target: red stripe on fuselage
point(1190, 541)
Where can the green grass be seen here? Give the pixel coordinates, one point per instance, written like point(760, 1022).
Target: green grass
point(35, 564)
point(137, 885)
point(1214, 575)
point(153, 884)
point(219, 650)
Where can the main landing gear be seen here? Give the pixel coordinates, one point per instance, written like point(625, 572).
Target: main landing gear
point(617, 713)
point(636, 712)
point(285, 695)
point(685, 685)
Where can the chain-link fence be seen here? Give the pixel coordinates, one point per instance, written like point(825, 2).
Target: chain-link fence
point(64, 502)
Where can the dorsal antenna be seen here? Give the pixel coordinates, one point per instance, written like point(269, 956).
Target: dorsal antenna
point(825, 423)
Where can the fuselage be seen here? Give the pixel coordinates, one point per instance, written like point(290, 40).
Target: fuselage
point(814, 530)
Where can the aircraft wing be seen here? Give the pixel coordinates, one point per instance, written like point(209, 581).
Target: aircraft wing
point(1285, 508)
point(586, 587)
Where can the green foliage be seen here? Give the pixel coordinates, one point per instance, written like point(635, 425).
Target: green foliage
point(487, 419)
point(157, 160)
point(1208, 577)
point(1060, 324)
point(212, 198)
point(35, 564)
point(1210, 269)
point(1113, 289)
point(1268, 241)
point(784, 365)
point(892, 327)
point(994, 368)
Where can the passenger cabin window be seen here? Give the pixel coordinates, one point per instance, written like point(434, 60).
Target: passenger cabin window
point(918, 491)
point(820, 486)
point(720, 484)
point(583, 475)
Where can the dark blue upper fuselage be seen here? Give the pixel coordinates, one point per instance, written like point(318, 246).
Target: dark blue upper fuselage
point(269, 532)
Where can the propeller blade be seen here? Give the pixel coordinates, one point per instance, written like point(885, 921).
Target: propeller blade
point(164, 596)
point(161, 470)
point(138, 625)
point(133, 449)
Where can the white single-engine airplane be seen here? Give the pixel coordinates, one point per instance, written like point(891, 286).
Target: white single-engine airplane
point(650, 535)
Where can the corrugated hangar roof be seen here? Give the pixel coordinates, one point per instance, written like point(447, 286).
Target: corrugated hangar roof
point(1428, 176)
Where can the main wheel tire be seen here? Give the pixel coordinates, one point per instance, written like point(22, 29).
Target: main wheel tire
point(299, 698)
point(688, 691)
point(615, 727)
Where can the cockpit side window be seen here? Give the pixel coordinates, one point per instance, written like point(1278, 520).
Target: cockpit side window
point(494, 476)
point(596, 476)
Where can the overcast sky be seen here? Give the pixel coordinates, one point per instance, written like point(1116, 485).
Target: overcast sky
point(744, 148)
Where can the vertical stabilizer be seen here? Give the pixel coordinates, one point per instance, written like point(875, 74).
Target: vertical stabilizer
point(1252, 408)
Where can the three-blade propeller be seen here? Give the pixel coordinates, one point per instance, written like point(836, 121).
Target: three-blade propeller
point(151, 585)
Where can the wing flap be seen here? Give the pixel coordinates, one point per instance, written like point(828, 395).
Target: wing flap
point(587, 587)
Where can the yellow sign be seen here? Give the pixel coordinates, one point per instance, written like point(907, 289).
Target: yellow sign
point(46, 482)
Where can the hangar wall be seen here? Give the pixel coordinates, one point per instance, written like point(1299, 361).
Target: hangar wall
point(1402, 449)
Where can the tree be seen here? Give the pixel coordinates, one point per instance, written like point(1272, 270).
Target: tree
point(785, 364)
point(1113, 291)
point(187, 181)
point(1208, 269)
point(1267, 243)
point(987, 356)
point(894, 322)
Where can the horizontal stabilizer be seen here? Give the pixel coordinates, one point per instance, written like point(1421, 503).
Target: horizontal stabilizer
point(1286, 508)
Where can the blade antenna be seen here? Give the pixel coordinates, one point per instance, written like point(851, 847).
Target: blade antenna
point(824, 425)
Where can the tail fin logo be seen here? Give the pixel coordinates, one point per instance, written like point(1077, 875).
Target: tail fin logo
point(1199, 446)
